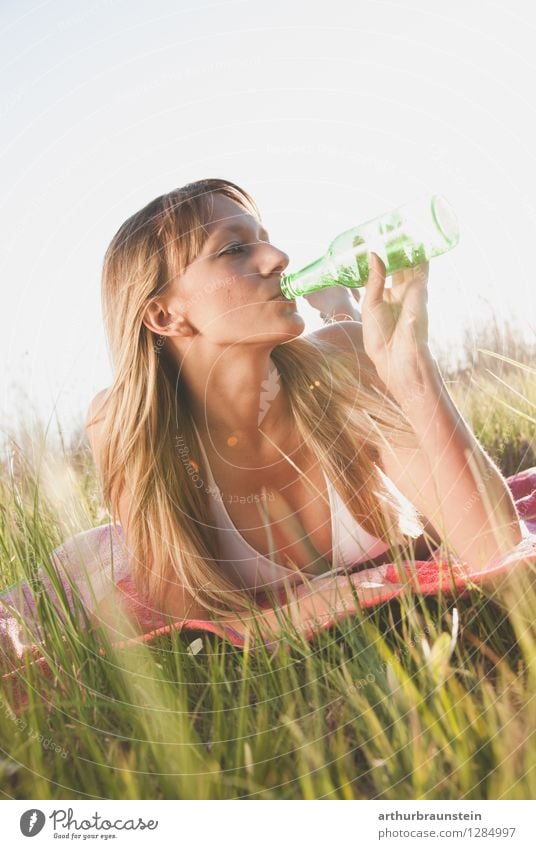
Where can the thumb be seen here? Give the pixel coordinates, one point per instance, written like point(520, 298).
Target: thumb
point(376, 280)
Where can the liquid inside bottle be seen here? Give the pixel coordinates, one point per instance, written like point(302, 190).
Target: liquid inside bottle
point(403, 238)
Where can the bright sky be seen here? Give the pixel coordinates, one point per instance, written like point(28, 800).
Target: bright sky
point(327, 113)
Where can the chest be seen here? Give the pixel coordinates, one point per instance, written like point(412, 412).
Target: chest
point(280, 513)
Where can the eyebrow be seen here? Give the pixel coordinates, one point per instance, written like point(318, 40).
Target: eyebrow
point(233, 228)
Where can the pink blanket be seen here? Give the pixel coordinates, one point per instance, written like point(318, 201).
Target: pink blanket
point(97, 562)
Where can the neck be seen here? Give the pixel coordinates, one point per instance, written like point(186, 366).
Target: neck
point(236, 398)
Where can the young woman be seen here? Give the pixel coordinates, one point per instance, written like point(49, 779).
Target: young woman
point(237, 453)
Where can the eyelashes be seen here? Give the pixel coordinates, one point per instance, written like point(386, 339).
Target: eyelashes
point(235, 249)
point(232, 250)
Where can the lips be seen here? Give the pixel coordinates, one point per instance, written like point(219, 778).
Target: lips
point(278, 294)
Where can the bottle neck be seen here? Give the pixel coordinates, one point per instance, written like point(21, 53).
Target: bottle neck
point(305, 280)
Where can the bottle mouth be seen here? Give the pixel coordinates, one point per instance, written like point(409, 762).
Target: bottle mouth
point(445, 219)
point(295, 284)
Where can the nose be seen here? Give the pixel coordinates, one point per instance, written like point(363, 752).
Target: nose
point(272, 260)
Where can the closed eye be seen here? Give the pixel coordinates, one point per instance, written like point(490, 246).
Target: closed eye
point(232, 250)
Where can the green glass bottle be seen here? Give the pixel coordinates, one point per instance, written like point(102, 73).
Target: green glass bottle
point(413, 233)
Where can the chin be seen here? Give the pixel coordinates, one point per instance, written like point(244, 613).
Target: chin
point(294, 326)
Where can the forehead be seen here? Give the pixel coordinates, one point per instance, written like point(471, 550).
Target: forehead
point(227, 213)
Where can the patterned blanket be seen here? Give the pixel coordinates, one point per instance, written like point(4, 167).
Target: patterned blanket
point(95, 562)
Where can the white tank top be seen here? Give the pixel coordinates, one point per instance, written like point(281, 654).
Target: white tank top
point(351, 543)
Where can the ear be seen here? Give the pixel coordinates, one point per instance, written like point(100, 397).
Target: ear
point(165, 323)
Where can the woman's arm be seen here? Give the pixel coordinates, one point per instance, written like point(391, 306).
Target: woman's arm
point(449, 477)
point(178, 602)
point(313, 605)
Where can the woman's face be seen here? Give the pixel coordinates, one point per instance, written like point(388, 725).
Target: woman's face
point(230, 292)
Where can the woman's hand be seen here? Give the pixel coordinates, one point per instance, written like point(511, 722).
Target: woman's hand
point(312, 606)
point(395, 327)
point(305, 611)
point(335, 303)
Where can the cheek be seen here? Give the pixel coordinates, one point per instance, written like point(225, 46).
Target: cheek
point(225, 298)
point(220, 309)
point(232, 299)
point(228, 290)
point(201, 286)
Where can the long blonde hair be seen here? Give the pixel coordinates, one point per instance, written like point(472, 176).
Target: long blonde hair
point(148, 430)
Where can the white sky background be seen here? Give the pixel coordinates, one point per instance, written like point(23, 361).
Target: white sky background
point(328, 113)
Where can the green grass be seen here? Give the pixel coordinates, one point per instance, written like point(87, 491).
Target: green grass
point(421, 698)
point(498, 399)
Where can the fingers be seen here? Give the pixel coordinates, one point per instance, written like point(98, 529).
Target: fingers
point(416, 290)
point(375, 282)
point(407, 275)
point(414, 307)
point(420, 272)
point(406, 279)
point(407, 283)
point(330, 299)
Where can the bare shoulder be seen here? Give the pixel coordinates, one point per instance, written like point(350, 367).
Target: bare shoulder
point(96, 408)
point(347, 335)
point(94, 422)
